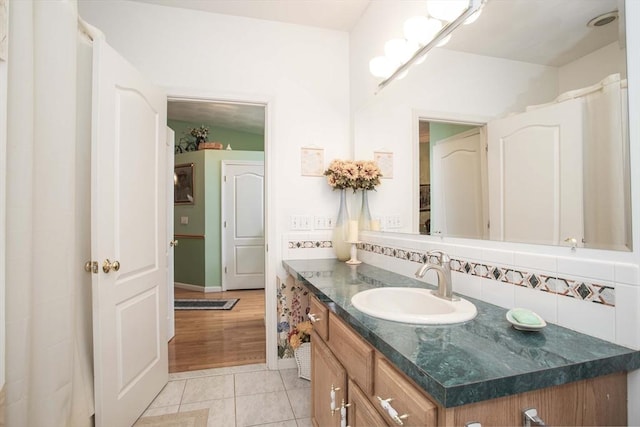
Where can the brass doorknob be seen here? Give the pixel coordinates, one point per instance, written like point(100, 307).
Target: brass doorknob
point(173, 243)
point(107, 265)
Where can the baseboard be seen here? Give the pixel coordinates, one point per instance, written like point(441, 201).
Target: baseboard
point(197, 288)
point(288, 363)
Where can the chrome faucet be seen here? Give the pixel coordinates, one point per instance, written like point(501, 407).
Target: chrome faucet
point(443, 269)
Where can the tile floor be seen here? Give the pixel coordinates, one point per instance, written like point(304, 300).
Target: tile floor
point(239, 396)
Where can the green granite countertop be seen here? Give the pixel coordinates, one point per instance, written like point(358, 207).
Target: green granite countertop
point(467, 362)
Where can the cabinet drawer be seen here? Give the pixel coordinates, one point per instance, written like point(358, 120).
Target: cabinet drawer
point(320, 312)
point(361, 413)
point(405, 397)
point(353, 352)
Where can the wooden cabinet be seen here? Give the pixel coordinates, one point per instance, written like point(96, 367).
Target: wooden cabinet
point(361, 412)
point(341, 359)
point(328, 384)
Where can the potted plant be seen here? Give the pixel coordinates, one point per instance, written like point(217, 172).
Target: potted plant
point(300, 341)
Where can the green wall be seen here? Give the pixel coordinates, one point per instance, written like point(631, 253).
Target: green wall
point(198, 261)
point(240, 141)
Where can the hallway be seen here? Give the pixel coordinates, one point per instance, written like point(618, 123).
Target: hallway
point(208, 339)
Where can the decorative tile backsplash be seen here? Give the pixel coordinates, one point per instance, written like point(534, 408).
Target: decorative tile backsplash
point(310, 244)
point(563, 286)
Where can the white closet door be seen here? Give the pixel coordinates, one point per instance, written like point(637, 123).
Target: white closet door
point(243, 255)
point(535, 175)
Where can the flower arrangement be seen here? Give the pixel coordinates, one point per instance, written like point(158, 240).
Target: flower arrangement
point(359, 174)
point(369, 175)
point(299, 334)
point(200, 133)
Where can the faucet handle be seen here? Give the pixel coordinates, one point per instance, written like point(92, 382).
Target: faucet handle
point(443, 258)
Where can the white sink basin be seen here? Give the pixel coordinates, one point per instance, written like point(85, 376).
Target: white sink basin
point(412, 305)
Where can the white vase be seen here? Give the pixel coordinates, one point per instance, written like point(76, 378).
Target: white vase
point(302, 355)
point(340, 235)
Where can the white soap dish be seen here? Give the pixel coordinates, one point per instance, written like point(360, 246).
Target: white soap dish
point(523, 326)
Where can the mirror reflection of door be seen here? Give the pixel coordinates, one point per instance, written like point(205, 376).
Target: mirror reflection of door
point(453, 170)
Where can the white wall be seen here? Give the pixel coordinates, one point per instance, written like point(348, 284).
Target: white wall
point(592, 68)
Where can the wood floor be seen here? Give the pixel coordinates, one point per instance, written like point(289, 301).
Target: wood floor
point(217, 338)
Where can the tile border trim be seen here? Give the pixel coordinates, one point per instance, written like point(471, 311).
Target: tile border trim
point(579, 289)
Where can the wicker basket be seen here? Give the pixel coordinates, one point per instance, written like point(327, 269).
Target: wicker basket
point(303, 360)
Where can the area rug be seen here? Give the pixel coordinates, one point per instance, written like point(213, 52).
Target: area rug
point(181, 419)
point(205, 304)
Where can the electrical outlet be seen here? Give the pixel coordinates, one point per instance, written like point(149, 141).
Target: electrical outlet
point(184, 220)
point(294, 222)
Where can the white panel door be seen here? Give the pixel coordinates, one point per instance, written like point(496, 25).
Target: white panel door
point(243, 255)
point(535, 175)
point(458, 208)
point(128, 226)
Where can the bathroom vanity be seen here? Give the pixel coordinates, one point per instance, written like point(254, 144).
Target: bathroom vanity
point(376, 372)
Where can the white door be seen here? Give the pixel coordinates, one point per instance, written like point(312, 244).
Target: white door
point(128, 226)
point(243, 255)
point(170, 187)
point(458, 208)
point(535, 175)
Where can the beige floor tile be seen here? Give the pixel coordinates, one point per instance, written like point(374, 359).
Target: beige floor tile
point(288, 423)
point(304, 422)
point(162, 410)
point(208, 388)
point(300, 400)
point(258, 382)
point(292, 381)
point(222, 412)
point(262, 408)
point(170, 395)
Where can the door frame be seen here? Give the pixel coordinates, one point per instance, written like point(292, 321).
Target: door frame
point(270, 241)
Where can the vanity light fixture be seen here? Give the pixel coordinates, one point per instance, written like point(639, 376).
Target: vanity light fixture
point(421, 34)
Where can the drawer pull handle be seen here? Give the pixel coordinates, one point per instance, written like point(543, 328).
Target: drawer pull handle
point(391, 411)
point(314, 317)
point(332, 395)
point(530, 418)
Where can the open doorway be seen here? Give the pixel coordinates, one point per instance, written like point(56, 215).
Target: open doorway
point(208, 134)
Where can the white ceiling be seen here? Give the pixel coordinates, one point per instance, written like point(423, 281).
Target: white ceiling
point(547, 32)
point(332, 14)
point(240, 117)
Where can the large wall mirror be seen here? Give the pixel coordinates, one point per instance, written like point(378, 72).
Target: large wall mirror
point(519, 128)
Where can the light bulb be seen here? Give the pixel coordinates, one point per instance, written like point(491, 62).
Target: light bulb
point(446, 10)
point(420, 29)
point(381, 66)
point(398, 50)
point(402, 75)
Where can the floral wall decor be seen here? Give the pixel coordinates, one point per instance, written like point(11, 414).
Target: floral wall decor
point(293, 307)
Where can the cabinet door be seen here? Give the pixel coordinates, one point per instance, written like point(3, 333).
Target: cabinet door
point(361, 413)
point(406, 399)
point(326, 374)
point(320, 313)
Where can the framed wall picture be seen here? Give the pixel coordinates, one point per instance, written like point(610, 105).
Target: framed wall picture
point(425, 197)
point(311, 161)
point(384, 159)
point(183, 184)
